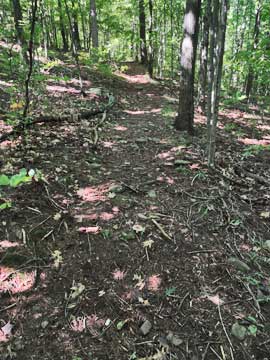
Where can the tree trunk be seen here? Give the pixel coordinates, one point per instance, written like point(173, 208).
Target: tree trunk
point(202, 91)
point(142, 32)
point(151, 54)
point(185, 117)
point(31, 57)
point(250, 76)
point(75, 27)
point(83, 26)
point(18, 18)
point(62, 27)
point(74, 47)
point(94, 24)
point(217, 44)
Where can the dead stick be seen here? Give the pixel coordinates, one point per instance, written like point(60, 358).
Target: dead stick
point(161, 229)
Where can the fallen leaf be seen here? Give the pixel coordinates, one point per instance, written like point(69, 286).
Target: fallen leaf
point(118, 274)
point(215, 299)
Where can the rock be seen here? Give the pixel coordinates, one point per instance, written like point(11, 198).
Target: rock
point(239, 331)
point(146, 327)
point(266, 245)
point(117, 189)
point(94, 165)
point(174, 339)
point(238, 264)
point(44, 324)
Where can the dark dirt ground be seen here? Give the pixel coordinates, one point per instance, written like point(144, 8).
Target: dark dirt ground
point(134, 229)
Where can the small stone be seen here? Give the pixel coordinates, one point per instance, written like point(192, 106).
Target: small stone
point(238, 264)
point(94, 165)
point(239, 331)
point(174, 339)
point(44, 324)
point(146, 327)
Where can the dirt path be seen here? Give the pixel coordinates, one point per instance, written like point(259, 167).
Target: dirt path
point(126, 235)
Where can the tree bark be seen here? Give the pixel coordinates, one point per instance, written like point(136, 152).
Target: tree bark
point(250, 76)
point(62, 27)
point(217, 44)
point(185, 117)
point(94, 24)
point(142, 32)
point(202, 91)
point(31, 57)
point(151, 54)
point(18, 18)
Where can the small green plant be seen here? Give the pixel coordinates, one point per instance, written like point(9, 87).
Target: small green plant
point(168, 112)
point(16, 180)
point(253, 150)
point(230, 127)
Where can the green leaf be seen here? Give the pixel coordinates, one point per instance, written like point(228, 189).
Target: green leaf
point(5, 205)
point(4, 180)
point(170, 291)
point(239, 331)
point(252, 330)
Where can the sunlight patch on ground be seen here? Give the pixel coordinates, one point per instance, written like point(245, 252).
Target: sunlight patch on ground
point(120, 128)
point(4, 128)
point(94, 193)
point(10, 143)
point(91, 322)
point(5, 83)
point(170, 154)
point(167, 179)
point(199, 119)
point(142, 112)
point(14, 282)
point(248, 141)
point(62, 89)
point(109, 144)
point(90, 229)
point(6, 244)
point(263, 127)
point(104, 216)
point(134, 79)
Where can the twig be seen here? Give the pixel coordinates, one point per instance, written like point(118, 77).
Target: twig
point(168, 237)
point(224, 328)
point(205, 351)
point(202, 251)
point(8, 307)
point(51, 200)
point(182, 302)
point(215, 353)
point(41, 223)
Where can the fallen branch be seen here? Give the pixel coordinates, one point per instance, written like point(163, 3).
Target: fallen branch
point(55, 119)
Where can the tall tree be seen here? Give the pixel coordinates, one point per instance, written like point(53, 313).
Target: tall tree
point(143, 48)
point(18, 20)
point(151, 54)
point(94, 24)
point(202, 91)
point(62, 26)
point(34, 7)
point(219, 11)
point(250, 76)
point(185, 117)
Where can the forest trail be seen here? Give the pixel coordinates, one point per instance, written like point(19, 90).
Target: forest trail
point(132, 232)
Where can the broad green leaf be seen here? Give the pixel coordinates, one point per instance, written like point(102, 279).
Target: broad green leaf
point(4, 180)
